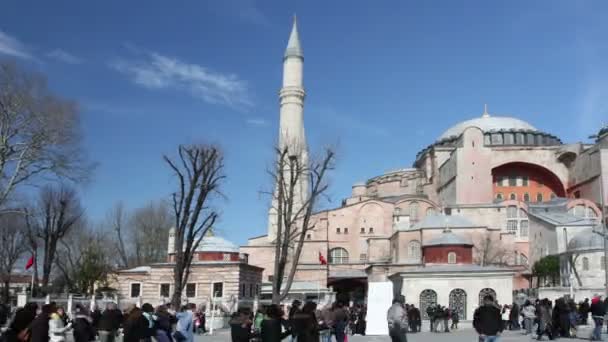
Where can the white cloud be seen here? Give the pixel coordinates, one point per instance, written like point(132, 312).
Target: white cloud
point(64, 56)
point(256, 122)
point(11, 46)
point(156, 71)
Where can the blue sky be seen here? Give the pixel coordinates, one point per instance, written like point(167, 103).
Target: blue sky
point(382, 81)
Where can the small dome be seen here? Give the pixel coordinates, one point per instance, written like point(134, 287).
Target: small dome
point(487, 124)
point(217, 244)
point(447, 238)
point(586, 240)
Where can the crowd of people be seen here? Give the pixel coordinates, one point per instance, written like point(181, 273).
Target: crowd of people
point(50, 323)
point(301, 323)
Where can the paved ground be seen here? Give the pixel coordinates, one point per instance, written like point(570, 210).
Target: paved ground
point(465, 335)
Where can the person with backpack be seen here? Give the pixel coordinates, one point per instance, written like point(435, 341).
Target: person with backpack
point(397, 320)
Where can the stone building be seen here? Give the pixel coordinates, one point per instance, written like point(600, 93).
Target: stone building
point(219, 272)
point(485, 179)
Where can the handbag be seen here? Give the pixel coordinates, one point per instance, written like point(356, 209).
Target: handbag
point(178, 336)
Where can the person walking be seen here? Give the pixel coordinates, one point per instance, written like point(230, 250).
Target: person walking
point(273, 325)
point(598, 311)
point(57, 329)
point(529, 314)
point(305, 323)
point(396, 318)
point(136, 326)
point(295, 308)
point(455, 319)
point(326, 323)
point(84, 331)
point(240, 326)
point(340, 316)
point(545, 321)
point(109, 323)
point(184, 330)
point(39, 329)
point(506, 314)
point(162, 325)
point(487, 320)
point(584, 309)
point(19, 328)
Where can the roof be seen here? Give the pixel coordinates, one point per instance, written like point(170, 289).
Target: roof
point(217, 244)
point(585, 241)
point(458, 268)
point(447, 238)
point(139, 269)
point(444, 221)
point(487, 124)
point(560, 218)
point(294, 48)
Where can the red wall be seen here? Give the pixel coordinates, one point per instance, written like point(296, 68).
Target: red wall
point(216, 256)
point(540, 181)
point(439, 254)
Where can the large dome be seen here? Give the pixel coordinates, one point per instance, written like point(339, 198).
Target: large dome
point(488, 123)
point(216, 244)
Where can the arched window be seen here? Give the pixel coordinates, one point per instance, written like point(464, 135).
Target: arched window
point(431, 211)
point(499, 196)
point(485, 292)
point(526, 197)
point(539, 197)
point(413, 211)
point(585, 264)
point(458, 302)
point(427, 298)
point(512, 196)
point(579, 210)
point(413, 250)
point(451, 257)
point(338, 256)
point(591, 213)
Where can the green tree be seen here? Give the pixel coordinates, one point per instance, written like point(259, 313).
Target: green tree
point(547, 268)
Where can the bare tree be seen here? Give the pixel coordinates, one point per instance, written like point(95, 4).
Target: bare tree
point(12, 246)
point(294, 208)
point(83, 259)
point(39, 132)
point(117, 219)
point(57, 212)
point(199, 173)
point(150, 228)
point(490, 251)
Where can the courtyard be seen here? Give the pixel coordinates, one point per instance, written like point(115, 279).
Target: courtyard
point(464, 335)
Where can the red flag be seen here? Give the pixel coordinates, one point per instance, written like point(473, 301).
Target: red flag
point(30, 263)
point(322, 259)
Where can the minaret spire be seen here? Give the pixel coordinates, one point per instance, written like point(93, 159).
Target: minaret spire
point(485, 111)
point(294, 48)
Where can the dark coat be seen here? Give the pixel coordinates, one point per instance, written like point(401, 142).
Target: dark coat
point(271, 330)
point(39, 329)
point(137, 329)
point(487, 320)
point(83, 329)
point(110, 320)
point(306, 327)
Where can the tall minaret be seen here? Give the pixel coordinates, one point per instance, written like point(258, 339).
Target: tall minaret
point(291, 117)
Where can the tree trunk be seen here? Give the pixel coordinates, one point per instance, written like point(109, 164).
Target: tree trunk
point(5, 290)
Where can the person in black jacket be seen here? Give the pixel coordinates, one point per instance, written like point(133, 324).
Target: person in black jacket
point(39, 329)
point(21, 322)
point(109, 323)
point(240, 325)
point(82, 325)
point(273, 324)
point(136, 326)
point(487, 320)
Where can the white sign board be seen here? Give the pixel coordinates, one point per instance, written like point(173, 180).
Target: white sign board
point(379, 299)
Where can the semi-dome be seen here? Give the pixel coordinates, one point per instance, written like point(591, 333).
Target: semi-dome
point(586, 241)
point(488, 123)
point(217, 244)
